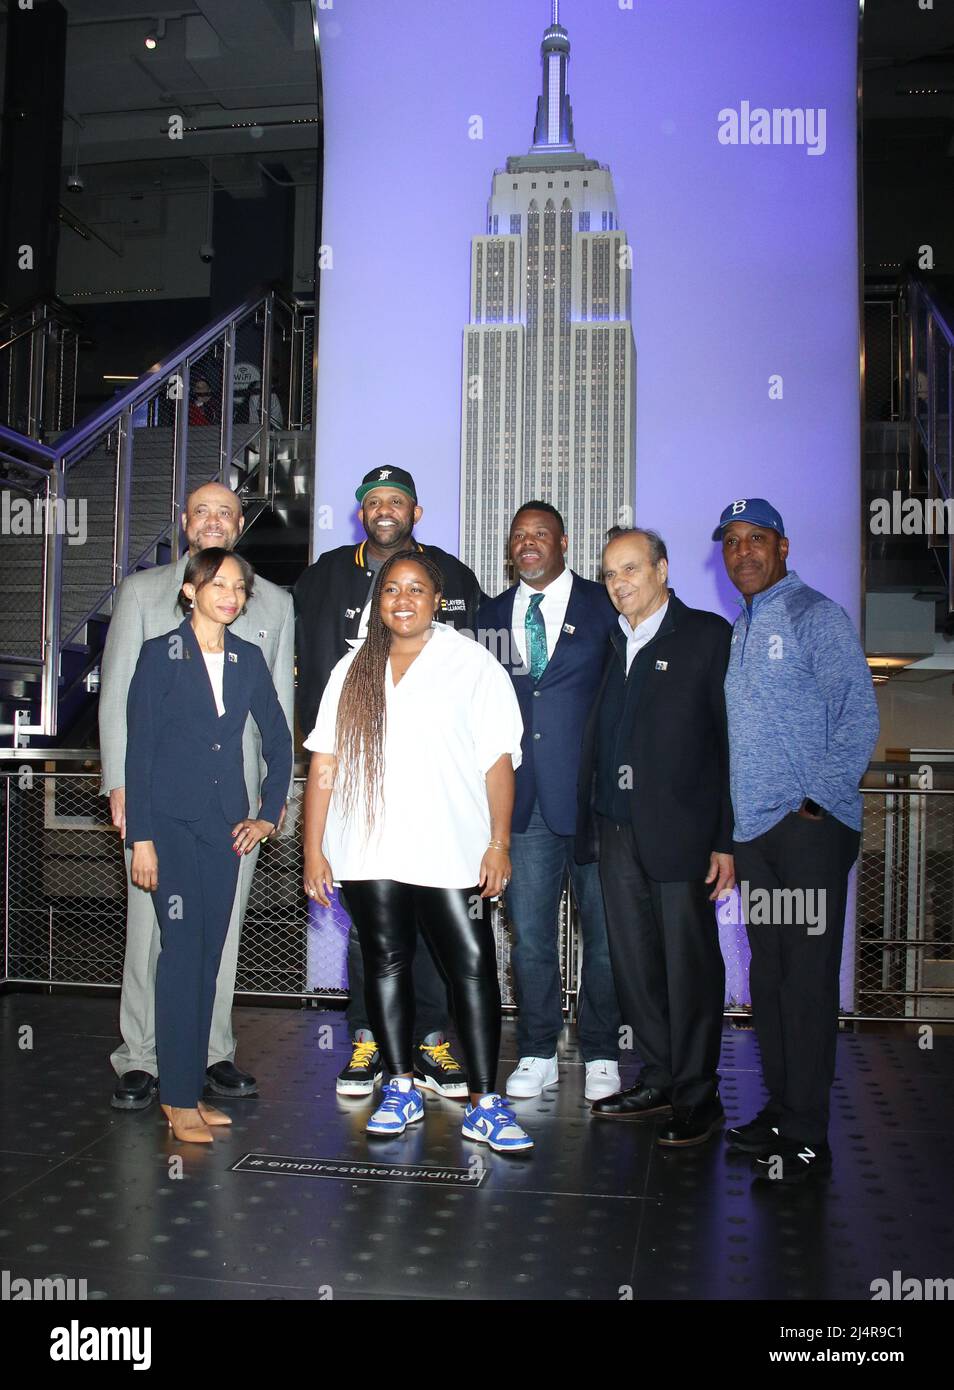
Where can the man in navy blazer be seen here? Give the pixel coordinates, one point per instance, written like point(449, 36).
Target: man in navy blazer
point(551, 631)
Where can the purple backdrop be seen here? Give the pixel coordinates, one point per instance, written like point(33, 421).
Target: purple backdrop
point(745, 255)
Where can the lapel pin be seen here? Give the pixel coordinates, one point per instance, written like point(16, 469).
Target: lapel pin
point(568, 627)
point(233, 657)
point(662, 665)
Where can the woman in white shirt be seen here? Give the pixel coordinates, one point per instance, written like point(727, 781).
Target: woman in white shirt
point(408, 807)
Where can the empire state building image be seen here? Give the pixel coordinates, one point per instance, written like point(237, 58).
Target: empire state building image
point(549, 362)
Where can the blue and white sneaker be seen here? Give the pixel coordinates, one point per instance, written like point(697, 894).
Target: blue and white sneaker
point(401, 1104)
point(491, 1121)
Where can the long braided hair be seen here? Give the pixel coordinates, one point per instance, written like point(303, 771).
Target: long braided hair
point(360, 727)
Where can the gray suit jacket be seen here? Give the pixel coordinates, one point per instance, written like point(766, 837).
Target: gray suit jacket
point(145, 606)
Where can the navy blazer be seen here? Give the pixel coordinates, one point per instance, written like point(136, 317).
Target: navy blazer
point(178, 749)
point(555, 708)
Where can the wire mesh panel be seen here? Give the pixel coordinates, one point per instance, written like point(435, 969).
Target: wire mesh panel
point(88, 556)
point(881, 330)
point(64, 903)
point(22, 509)
point(904, 946)
point(152, 459)
point(64, 894)
point(64, 881)
point(16, 364)
point(273, 955)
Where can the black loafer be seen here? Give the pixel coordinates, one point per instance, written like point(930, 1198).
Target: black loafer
point(225, 1079)
point(640, 1102)
point(691, 1125)
point(135, 1090)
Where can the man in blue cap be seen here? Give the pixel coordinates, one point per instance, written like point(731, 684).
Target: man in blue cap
point(803, 724)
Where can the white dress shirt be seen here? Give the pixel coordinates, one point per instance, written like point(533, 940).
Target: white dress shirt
point(556, 597)
point(449, 718)
point(636, 638)
point(215, 665)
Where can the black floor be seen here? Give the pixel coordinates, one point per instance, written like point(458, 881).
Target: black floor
point(597, 1211)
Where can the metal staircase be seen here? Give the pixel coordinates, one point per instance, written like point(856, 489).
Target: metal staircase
point(104, 499)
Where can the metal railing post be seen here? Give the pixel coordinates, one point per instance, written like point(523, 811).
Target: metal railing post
point(265, 402)
point(123, 497)
point(912, 383)
point(180, 455)
point(228, 405)
point(52, 591)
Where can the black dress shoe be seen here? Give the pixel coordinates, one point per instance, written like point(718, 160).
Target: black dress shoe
point(791, 1162)
point(640, 1102)
point(757, 1136)
point(225, 1079)
point(690, 1125)
point(135, 1090)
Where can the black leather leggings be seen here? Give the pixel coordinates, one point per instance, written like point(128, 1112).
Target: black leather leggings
point(386, 914)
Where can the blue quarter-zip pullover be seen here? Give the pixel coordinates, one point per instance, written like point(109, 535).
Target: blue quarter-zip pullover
point(803, 720)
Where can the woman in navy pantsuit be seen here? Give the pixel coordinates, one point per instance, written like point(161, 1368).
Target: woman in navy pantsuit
point(187, 809)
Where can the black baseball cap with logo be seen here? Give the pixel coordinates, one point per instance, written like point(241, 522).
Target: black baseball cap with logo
point(386, 477)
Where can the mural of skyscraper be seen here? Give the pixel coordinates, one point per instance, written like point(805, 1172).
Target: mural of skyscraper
point(549, 362)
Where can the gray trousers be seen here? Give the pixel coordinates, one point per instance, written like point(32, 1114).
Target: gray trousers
point(137, 1007)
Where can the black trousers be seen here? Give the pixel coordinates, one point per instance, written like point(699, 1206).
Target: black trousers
point(796, 960)
point(430, 990)
point(386, 915)
point(668, 968)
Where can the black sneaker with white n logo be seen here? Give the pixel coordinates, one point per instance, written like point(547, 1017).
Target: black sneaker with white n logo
point(791, 1162)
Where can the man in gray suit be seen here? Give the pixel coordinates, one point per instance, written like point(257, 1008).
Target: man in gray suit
point(145, 607)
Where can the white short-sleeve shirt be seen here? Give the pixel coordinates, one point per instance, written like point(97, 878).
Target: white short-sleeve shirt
point(449, 718)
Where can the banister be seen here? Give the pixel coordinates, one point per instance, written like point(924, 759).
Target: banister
point(135, 394)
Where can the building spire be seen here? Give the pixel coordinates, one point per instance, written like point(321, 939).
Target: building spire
point(554, 124)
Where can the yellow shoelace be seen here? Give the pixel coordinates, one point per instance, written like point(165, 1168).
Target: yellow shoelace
point(441, 1055)
point(362, 1054)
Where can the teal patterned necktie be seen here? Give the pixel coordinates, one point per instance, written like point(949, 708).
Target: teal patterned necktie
point(536, 630)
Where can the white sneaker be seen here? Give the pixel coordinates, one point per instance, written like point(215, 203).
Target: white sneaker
point(602, 1080)
point(532, 1076)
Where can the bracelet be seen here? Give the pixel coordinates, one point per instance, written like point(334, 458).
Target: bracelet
point(499, 844)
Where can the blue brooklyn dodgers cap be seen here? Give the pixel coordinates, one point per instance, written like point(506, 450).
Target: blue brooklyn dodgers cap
point(754, 510)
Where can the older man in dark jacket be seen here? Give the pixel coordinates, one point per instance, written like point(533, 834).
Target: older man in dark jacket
point(655, 809)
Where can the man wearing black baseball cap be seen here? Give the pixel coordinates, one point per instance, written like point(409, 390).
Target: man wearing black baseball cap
point(803, 724)
point(331, 606)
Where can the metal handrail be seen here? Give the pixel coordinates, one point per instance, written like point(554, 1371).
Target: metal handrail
point(56, 463)
point(26, 332)
point(24, 443)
